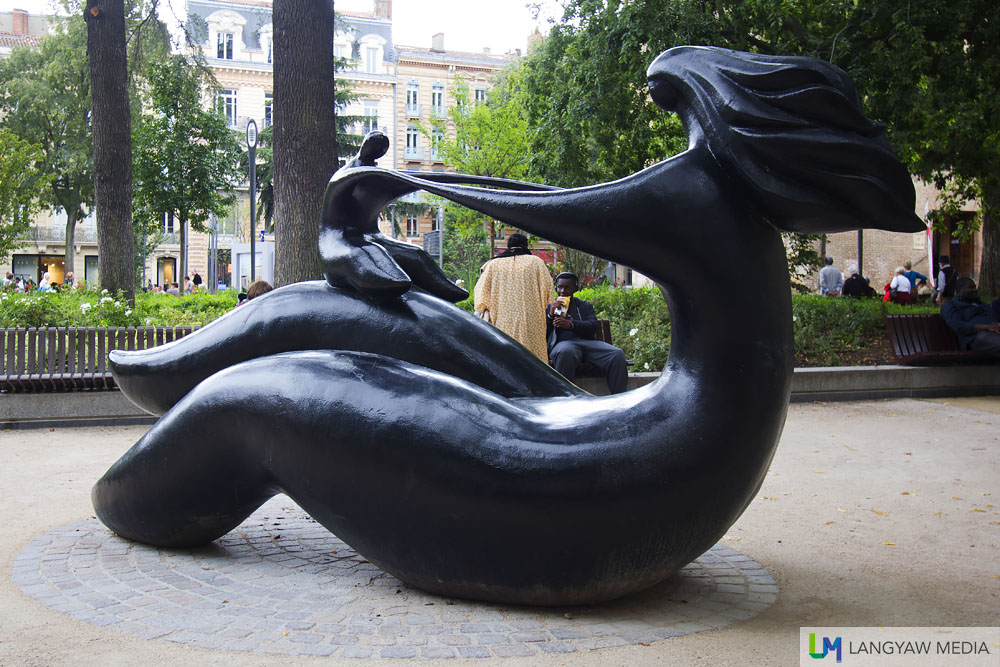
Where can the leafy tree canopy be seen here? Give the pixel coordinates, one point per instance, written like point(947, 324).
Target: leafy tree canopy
point(926, 68)
point(21, 185)
point(185, 158)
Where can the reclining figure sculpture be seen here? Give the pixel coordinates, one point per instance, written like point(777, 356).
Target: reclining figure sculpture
point(440, 449)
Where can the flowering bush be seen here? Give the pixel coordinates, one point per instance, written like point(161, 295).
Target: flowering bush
point(91, 308)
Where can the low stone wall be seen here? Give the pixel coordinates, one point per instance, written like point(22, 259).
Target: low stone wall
point(851, 383)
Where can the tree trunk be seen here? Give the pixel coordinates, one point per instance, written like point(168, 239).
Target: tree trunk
point(111, 122)
point(69, 261)
point(989, 272)
point(304, 133)
point(183, 264)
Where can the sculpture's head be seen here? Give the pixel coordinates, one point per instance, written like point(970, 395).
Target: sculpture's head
point(791, 130)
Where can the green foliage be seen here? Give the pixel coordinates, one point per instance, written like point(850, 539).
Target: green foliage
point(466, 244)
point(585, 266)
point(82, 307)
point(491, 138)
point(185, 159)
point(827, 328)
point(45, 101)
point(21, 185)
point(640, 323)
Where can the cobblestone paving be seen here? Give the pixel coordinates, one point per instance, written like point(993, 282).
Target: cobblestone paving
point(281, 583)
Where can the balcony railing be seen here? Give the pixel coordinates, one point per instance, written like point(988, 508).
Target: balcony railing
point(413, 153)
point(57, 234)
point(414, 110)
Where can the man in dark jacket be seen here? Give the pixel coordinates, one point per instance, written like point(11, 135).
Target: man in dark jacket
point(570, 328)
point(972, 321)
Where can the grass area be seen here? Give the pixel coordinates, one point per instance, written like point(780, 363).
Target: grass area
point(828, 332)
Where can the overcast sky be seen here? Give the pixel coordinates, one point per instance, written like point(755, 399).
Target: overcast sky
point(468, 25)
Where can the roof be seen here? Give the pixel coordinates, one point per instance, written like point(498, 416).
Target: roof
point(10, 40)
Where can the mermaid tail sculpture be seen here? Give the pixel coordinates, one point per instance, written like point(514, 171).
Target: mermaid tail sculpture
point(459, 490)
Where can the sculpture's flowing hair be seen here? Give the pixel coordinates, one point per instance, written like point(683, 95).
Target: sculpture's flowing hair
point(791, 130)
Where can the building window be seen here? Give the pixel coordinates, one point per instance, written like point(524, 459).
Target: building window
point(225, 45)
point(412, 95)
point(498, 230)
point(437, 135)
point(268, 109)
point(371, 59)
point(168, 223)
point(412, 226)
point(341, 51)
point(437, 99)
point(226, 103)
point(370, 121)
point(480, 95)
point(270, 50)
point(413, 151)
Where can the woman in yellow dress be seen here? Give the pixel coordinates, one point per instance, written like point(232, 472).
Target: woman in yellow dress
point(515, 287)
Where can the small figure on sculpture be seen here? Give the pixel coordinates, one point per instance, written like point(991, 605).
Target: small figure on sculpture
point(512, 290)
point(831, 280)
point(976, 324)
point(571, 337)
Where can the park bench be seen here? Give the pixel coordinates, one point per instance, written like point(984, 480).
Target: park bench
point(927, 340)
point(53, 359)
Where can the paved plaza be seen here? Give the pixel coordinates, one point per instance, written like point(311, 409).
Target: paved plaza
point(873, 513)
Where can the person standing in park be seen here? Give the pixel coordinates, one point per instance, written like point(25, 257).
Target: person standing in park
point(511, 293)
point(946, 280)
point(831, 280)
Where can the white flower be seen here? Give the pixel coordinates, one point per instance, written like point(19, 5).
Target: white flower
point(633, 332)
point(794, 319)
point(127, 312)
point(105, 299)
point(646, 366)
point(84, 307)
point(104, 291)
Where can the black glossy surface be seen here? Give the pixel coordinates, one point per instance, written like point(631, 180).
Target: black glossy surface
point(538, 500)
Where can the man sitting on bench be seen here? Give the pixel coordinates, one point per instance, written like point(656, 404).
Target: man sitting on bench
point(972, 321)
point(570, 324)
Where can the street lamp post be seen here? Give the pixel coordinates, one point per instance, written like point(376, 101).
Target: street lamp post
point(252, 147)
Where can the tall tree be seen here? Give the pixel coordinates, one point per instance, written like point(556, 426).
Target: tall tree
point(930, 69)
point(45, 100)
point(111, 122)
point(485, 139)
point(186, 159)
point(21, 185)
point(305, 147)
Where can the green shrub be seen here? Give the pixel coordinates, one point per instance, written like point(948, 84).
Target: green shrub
point(826, 328)
point(640, 322)
point(91, 308)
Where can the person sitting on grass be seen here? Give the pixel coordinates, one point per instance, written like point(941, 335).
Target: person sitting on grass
point(975, 323)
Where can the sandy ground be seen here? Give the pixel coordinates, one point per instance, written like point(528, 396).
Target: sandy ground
point(848, 479)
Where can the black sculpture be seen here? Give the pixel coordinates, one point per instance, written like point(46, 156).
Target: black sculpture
point(483, 493)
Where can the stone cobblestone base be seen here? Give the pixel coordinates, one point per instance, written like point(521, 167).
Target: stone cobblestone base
point(281, 583)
